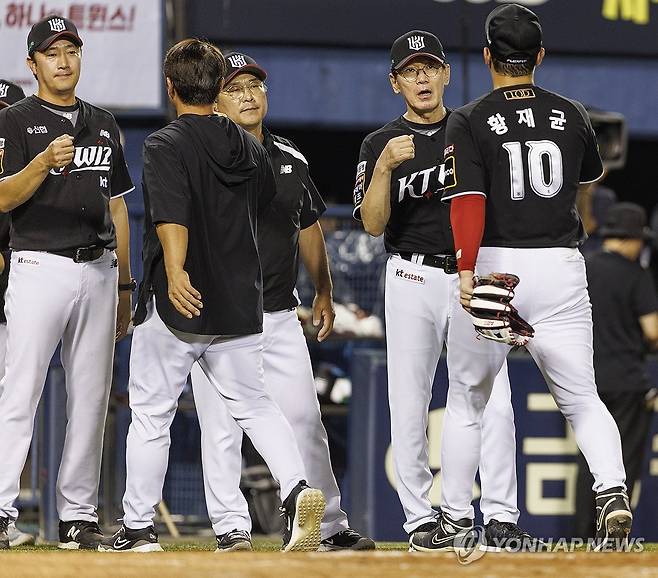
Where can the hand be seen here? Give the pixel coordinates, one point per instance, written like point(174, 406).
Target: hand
point(124, 314)
point(59, 152)
point(398, 150)
point(323, 314)
point(2, 263)
point(465, 288)
point(185, 298)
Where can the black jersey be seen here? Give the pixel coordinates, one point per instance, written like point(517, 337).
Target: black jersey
point(212, 177)
point(296, 205)
point(70, 209)
point(527, 150)
point(419, 221)
point(6, 254)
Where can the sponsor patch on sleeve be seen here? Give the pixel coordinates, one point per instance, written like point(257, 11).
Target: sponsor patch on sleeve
point(448, 172)
point(360, 182)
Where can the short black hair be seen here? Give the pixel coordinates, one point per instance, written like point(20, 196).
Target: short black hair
point(513, 70)
point(196, 69)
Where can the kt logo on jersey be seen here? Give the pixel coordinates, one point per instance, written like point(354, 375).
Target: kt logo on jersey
point(425, 183)
point(95, 158)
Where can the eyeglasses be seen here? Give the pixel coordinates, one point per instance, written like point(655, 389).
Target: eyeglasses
point(410, 73)
point(238, 91)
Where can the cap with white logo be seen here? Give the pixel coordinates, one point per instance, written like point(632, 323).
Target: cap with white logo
point(413, 44)
point(238, 63)
point(48, 30)
point(10, 93)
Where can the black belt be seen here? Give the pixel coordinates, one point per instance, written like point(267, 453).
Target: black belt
point(446, 262)
point(82, 254)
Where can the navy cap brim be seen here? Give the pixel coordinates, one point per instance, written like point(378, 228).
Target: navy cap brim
point(249, 68)
point(416, 55)
point(54, 38)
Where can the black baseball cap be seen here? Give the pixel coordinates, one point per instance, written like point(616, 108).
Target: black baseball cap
point(10, 93)
point(48, 30)
point(237, 63)
point(626, 221)
point(413, 44)
point(514, 34)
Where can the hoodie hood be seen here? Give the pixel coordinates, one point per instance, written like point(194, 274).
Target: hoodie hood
point(222, 143)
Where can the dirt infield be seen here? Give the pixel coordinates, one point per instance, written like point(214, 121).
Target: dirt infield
point(336, 565)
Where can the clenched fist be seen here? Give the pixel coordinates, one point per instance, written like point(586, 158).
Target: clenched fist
point(396, 151)
point(59, 152)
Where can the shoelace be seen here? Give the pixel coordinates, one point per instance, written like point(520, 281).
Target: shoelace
point(235, 534)
point(514, 530)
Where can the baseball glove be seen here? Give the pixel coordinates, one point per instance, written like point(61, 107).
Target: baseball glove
point(492, 312)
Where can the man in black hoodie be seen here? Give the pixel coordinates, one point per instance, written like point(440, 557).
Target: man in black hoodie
point(204, 181)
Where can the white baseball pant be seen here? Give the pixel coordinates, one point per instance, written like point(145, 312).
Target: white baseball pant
point(160, 362)
point(420, 303)
point(552, 296)
point(52, 298)
point(289, 381)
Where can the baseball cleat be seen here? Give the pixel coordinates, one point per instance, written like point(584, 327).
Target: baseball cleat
point(17, 537)
point(302, 510)
point(4, 537)
point(422, 529)
point(613, 518)
point(79, 535)
point(127, 540)
point(234, 541)
point(507, 537)
point(442, 538)
point(346, 540)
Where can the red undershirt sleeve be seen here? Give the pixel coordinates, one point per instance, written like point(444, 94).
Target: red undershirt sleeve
point(467, 219)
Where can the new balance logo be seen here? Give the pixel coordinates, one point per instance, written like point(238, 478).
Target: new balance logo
point(237, 60)
point(105, 134)
point(416, 42)
point(286, 169)
point(57, 24)
point(73, 531)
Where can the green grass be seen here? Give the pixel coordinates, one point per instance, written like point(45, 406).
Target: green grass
point(261, 544)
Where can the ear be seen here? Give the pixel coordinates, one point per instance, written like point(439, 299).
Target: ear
point(171, 91)
point(31, 64)
point(394, 83)
point(486, 55)
point(447, 74)
point(540, 56)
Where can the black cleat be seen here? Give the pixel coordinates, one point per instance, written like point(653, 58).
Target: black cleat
point(302, 511)
point(347, 540)
point(127, 540)
point(442, 537)
point(613, 518)
point(234, 541)
point(79, 535)
point(4, 537)
point(507, 537)
point(422, 529)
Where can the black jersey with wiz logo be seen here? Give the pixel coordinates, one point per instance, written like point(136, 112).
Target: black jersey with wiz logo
point(527, 150)
point(419, 221)
point(70, 209)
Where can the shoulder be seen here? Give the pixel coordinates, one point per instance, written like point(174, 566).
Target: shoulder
point(22, 109)
point(377, 139)
point(98, 113)
point(569, 103)
point(163, 138)
point(463, 114)
point(288, 147)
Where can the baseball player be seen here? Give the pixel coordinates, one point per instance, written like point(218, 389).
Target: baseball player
point(288, 228)
point(201, 300)
point(10, 93)
point(518, 156)
point(62, 177)
point(399, 179)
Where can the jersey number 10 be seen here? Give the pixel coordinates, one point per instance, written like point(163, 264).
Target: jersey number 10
point(544, 168)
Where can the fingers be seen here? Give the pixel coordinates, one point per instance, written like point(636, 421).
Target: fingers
point(62, 150)
point(327, 324)
point(183, 305)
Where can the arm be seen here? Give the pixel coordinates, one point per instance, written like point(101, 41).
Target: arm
point(120, 218)
point(467, 215)
point(18, 188)
point(376, 206)
point(649, 324)
point(314, 256)
point(185, 298)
